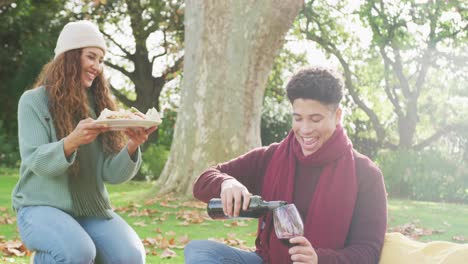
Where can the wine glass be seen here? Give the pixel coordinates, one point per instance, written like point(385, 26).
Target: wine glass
point(288, 223)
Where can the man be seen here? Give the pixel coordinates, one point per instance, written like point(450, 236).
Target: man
point(339, 192)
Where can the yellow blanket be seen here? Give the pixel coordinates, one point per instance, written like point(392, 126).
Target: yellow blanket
point(399, 249)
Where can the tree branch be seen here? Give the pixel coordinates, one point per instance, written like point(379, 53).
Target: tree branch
point(121, 97)
point(130, 75)
point(457, 59)
point(117, 55)
point(391, 91)
point(165, 49)
point(389, 145)
point(398, 69)
point(397, 63)
point(329, 47)
point(438, 134)
point(424, 68)
point(426, 58)
point(128, 54)
point(177, 66)
point(136, 21)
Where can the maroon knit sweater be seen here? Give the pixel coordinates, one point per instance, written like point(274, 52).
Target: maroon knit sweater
point(367, 231)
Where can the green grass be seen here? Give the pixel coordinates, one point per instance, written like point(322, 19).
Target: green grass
point(169, 221)
point(445, 220)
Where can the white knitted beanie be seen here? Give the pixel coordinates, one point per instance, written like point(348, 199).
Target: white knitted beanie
point(79, 34)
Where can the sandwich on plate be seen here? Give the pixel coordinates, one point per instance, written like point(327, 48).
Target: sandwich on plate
point(130, 114)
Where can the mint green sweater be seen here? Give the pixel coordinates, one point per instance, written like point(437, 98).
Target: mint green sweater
point(43, 172)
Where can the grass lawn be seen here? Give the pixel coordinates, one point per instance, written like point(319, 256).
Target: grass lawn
point(166, 224)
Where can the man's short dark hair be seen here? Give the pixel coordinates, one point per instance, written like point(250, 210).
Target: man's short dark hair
point(320, 84)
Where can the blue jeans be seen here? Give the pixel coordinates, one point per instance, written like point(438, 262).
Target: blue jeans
point(212, 252)
point(58, 237)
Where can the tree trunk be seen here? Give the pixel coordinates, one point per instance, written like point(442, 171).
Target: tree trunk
point(230, 47)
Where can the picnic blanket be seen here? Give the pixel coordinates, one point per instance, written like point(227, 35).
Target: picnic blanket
point(399, 249)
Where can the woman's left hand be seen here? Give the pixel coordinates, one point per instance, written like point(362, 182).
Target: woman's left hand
point(302, 251)
point(137, 136)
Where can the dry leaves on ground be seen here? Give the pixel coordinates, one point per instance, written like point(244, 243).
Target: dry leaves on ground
point(413, 230)
point(191, 217)
point(166, 243)
point(5, 217)
point(460, 239)
point(13, 248)
point(10, 247)
point(233, 241)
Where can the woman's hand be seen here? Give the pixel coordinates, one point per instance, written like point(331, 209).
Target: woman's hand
point(302, 251)
point(234, 191)
point(137, 136)
point(84, 133)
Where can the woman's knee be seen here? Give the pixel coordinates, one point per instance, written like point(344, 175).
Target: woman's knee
point(82, 253)
point(200, 249)
point(134, 255)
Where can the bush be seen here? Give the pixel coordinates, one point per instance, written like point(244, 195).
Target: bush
point(154, 159)
point(276, 121)
point(166, 129)
point(9, 151)
point(425, 175)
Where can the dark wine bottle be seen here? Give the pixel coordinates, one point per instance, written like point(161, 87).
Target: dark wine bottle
point(257, 208)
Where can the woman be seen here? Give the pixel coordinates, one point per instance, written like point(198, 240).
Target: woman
point(63, 208)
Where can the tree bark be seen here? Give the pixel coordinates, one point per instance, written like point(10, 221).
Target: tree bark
point(230, 47)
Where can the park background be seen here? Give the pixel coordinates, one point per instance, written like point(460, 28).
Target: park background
point(217, 71)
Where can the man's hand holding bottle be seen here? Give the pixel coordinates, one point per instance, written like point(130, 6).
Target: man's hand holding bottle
point(234, 196)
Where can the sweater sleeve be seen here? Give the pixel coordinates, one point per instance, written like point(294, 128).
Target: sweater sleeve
point(248, 169)
point(41, 156)
point(121, 167)
point(366, 236)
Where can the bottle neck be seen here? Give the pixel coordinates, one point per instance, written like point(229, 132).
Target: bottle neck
point(273, 204)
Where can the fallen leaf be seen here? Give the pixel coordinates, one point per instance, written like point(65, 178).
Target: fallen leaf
point(413, 230)
point(14, 248)
point(194, 204)
point(163, 243)
point(167, 205)
point(141, 223)
point(459, 238)
point(149, 241)
point(171, 233)
point(168, 253)
point(184, 239)
point(171, 242)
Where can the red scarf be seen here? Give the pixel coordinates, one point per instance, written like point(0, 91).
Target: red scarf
point(331, 210)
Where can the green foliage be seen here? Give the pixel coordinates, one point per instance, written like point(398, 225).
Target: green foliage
point(276, 120)
point(426, 175)
point(402, 61)
point(28, 31)
point(155, 155)
point(166, 129)
point(276, 111)
point(9, 153)
point(154, 159)
point(286, 63)
point(145, 46)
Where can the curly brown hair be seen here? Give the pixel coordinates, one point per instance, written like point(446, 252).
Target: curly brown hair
point(316, 83)
point(68, 102)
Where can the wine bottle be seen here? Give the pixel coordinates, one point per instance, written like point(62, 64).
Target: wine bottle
point(257, 208)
